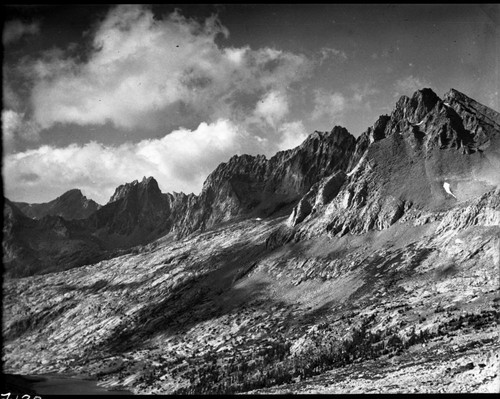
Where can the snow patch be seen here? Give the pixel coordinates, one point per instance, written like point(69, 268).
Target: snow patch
point(447, 104)
point(258, 219)
point(446, 187)
point(419, 123)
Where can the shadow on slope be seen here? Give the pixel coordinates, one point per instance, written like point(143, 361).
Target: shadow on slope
point(193, 301)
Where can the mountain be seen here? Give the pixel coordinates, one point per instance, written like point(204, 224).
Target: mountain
point(71, 205)
point(341, 266)
point(253, 186)
point(405, 162)
point(32, 246)
point(138, 212)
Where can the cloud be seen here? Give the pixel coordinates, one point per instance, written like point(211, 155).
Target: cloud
point(409, 85)
point(328, 104)
point(272, 107)
point(14, 30)
point(180, 161)
point(15, 125)
point(141, 71)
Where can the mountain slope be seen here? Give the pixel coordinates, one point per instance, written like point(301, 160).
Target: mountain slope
point(409, 161)
point(71, 205)
point(50, 244)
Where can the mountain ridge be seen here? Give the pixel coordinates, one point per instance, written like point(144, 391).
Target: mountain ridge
point(330, 172)
point(70, 205)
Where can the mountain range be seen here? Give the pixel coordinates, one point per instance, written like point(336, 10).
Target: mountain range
point(408, 148)
point(342, 265)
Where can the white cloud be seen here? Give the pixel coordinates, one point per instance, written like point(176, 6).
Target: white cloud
point(328, 104)
point(14, 124)
point(409, 85)
point(272, 107)
point(14, 30)
point(141, 69)
point(140, 73)
point(179, 161)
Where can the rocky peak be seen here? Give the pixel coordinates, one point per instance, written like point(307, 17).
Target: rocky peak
point(70, 205)
point(414, 109)
point(404, 165)
point(481, 121)
point(147, 185)
point(122, 191)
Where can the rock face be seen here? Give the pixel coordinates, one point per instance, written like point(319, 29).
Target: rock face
point(255, 186)
point(136, 213)
point(71, 205)
point(403, 164)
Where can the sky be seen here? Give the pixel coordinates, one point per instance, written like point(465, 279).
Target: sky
point(95, 96)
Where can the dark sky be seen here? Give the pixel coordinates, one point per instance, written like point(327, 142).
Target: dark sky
point(95, 96)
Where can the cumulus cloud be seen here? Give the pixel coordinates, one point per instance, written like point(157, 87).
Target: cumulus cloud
point(141, 69)
point(97, 169)
point(140, 73)
point(272, 108)
point(14, 30)
point(35, 175)
point(409, 85)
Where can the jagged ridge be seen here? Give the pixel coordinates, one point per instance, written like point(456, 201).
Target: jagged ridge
point(331, 182)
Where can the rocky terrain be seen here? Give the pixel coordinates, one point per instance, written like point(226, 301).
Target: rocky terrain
point(344, 265)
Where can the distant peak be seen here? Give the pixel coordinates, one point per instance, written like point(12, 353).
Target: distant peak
point(75, 192)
